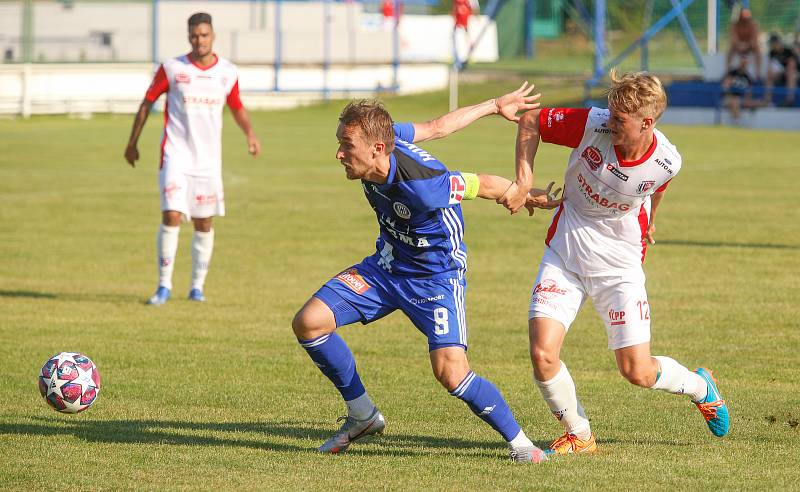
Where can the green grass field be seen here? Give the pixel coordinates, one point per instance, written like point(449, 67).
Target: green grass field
point(220, 395)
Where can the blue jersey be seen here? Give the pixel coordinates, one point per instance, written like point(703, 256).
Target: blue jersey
point(419, 213)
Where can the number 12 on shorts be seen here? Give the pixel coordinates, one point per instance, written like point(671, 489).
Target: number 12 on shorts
point(440, 319)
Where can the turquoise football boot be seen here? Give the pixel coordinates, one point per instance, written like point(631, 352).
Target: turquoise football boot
point(713, 407)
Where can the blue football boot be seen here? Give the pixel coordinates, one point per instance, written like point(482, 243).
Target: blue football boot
point(160, 297)
point(196, 295)
point(713, 407)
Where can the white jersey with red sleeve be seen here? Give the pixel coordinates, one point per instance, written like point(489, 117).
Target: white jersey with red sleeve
point(192, 139)
point(599, 229)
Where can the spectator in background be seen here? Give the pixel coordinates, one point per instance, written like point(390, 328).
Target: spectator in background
point(781, 69)
point(744, 43)
point(737, 90)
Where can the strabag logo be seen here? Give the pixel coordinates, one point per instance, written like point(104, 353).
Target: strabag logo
point(548, 289)
point(593, 157)
point(601, 201)
point(458, 188)
point(352, 279)
point(645, 186)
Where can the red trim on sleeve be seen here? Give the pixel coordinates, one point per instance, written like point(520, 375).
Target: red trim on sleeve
point(563, 126)
point(663, 187)
point(644, 222)
point(554, 225)
point(233, 100)
point(640, 160)
point(158, 86)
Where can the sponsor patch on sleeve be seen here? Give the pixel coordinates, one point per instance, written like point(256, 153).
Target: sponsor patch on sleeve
point(458, 188)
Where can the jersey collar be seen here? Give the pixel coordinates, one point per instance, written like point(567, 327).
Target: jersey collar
point(216, 59)
point(640, 160)
point(392, 168)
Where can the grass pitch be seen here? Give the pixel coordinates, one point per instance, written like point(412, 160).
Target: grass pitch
point(220, 395)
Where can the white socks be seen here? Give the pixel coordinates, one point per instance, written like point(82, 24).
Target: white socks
point(166, 247)
point(676, 379)
point(202, 247)
point(360, 408)
point(521, 441)
point(559, 393)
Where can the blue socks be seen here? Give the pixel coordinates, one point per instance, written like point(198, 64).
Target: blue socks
point(334, 359)
point(486, 402)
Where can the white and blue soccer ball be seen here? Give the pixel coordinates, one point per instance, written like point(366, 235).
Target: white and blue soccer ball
point(69, 382)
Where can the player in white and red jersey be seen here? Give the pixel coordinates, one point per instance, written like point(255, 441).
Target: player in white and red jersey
point(198, 85)
point(615, 179)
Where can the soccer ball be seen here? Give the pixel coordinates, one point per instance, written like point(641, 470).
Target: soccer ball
point(69, 382)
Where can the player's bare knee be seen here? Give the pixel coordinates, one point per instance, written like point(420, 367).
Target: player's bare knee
point(448, 377)
point(637, 376)
point(545, 360)
point(304, 325)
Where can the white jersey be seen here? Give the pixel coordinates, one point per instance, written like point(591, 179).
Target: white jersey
point(600, 227)
point(192, 139)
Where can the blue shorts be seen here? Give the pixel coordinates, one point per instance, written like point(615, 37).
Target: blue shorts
point(365, 292)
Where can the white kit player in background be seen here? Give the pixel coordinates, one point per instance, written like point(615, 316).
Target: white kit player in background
point(197, 85)
point(616, 177)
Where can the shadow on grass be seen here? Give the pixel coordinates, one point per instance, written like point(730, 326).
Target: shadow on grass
point(199, 434)
point(715, 244)
point(27, 293)
point(72, 296)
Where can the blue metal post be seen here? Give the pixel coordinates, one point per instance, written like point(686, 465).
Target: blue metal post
point(599, 37)
point(688, 33)
point(154, 33)
point(326, 48)
point(530, 19)
point(278, 48)
point(396, 46)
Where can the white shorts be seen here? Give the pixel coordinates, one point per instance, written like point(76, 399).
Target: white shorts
point(198, 197)
point(620, 300)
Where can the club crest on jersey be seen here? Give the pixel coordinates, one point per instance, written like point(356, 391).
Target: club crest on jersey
point(458, 188)
point(401, 210)
point(645, 186)
point(182, 78)
point(352, 279)
point(593, 157)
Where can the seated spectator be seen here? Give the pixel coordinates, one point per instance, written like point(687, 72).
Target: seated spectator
point(736, 89)
point(781, 70)
point(744, 43)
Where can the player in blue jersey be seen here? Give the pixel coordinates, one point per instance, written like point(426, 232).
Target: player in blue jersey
point(419, 266)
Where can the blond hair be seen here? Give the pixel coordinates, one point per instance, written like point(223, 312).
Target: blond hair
point(373, 119)
point(637, 93)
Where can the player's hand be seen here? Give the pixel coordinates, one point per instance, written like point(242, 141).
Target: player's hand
point(651, 233)
point(253, 145)
point(519, 100)
point(544, 199)
point(514, 198)
point(131, 155)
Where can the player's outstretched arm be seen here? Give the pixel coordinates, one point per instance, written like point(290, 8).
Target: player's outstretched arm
point(528, 138)
point(131, 150)
point(507, 105)
point(494, 187)
point(242, 119)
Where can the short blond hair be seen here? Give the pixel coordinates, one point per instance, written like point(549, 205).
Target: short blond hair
point(637, 93)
